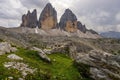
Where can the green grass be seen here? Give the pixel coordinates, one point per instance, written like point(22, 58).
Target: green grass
point(61, 68)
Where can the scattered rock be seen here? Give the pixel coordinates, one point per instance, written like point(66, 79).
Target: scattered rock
point(24, 68)
point(6, 48)
point(20, 79)
point(11, 78)
point(14, 57)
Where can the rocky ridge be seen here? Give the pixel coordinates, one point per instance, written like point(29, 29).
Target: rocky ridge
point(48, 21)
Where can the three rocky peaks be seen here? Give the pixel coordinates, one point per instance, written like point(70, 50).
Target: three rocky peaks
point(48, 20)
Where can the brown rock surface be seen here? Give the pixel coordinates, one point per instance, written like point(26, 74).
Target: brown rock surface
point(69, 23)
point(48, 18)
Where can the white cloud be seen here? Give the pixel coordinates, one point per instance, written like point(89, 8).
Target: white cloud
point(117, 16)
point(118, 28)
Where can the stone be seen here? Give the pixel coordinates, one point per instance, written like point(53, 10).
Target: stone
point(30, 19)
point(14, 57)
point(11, 78)
point(20, 79)
point(20, 66)
point(42, 54)
point(5, 47)
point(48, 18)
point(96, 73)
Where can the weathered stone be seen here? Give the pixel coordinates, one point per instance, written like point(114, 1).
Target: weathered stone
point(48, 18)
point(14, 57)
point(11, 78)
point(23, 68)
point(42, 54)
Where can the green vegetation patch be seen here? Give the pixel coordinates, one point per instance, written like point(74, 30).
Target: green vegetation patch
point(61, 67)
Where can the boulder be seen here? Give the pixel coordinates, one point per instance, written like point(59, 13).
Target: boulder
point(14, 57)
point(48, 18)
point(42, 54)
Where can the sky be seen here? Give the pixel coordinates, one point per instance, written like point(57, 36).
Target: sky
point(99, 15)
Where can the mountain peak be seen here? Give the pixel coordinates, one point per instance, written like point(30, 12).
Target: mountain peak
point(48, 17)
point(48, 5)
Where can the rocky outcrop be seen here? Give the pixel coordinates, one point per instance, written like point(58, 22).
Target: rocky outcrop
point(68, 22)
point(29, 19)
point(48, 18)
point(103, 66)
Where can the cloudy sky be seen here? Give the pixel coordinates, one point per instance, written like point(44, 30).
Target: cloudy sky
point(99, 15)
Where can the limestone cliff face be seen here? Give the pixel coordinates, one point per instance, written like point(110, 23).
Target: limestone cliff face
point(68, 21)
point(81, 27)
point(48, 18)
point(29, 19)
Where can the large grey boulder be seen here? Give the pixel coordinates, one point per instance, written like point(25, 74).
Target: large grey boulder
point(48, 18)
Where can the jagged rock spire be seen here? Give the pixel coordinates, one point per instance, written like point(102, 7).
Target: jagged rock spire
point(68, 22)
point(29, 19)
point(48, 17)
